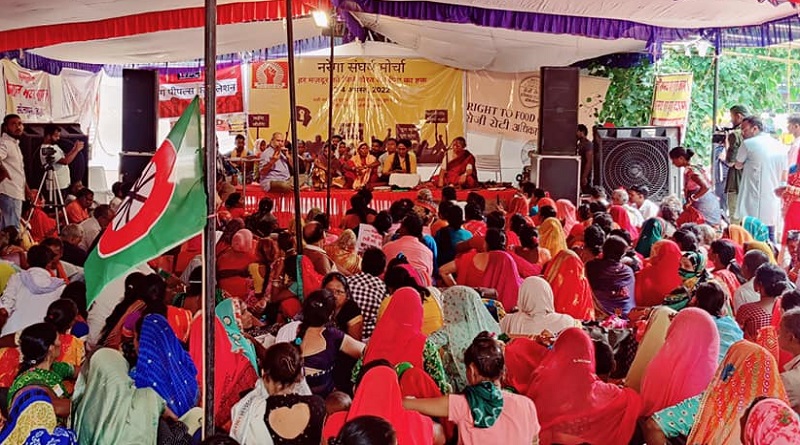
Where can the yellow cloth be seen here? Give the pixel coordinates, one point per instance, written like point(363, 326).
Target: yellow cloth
point(6, 270)
point(652, 341)
point(551, 236)
point(432, 317)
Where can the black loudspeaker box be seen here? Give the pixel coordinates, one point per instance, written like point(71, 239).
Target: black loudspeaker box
point(139, 110)
point(558, 111)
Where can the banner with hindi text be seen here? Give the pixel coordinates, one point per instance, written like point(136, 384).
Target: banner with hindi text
point(373, 98)
point(672, 97)
point(507, 104)
point(176, 91)
point(27, 93)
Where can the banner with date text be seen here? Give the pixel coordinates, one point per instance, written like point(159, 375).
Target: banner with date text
point(373, 97)
point(507, 104)
point(176, 91)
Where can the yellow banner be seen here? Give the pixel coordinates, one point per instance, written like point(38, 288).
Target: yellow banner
point(373, 98)
point(671, 100)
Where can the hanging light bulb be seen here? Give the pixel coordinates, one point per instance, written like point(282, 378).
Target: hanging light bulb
point(321, 18)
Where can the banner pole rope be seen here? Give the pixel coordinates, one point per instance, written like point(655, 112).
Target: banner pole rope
point(209, 233)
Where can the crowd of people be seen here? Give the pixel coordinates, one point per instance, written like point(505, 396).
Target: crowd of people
point(536, 321)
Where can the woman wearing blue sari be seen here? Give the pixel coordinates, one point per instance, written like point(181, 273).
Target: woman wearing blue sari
point(755, 227)
point(32, 420)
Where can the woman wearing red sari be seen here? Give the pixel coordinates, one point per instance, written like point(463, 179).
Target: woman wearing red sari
point(790, 194)
point(660, 276)
point(458, 166)
point(587, 410)
point(233, 265)
point(572, 294)
point(623, 220)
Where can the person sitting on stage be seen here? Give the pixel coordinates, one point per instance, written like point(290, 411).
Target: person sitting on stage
point(240, 151)
point(458, 166)
point(320, 174)
point(273, 168)
point(78, 210)
point(358, 170)
point(402, 161)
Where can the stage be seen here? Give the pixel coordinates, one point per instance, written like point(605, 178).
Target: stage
point(340, 200)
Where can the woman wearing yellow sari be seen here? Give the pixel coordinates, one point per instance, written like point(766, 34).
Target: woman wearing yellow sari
point(764, 247)
point(344, 255)
point(551, 236)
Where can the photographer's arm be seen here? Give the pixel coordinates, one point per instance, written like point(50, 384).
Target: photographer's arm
point(66, 160)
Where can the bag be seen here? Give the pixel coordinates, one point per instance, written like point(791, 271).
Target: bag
point(622, 342)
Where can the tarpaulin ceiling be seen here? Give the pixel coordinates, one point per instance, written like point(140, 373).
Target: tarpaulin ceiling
point(144, 30)
point(522, 35)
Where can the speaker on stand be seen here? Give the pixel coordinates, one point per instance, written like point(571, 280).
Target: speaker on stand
point(558, 111)
point(139, 121)
point(558, 175)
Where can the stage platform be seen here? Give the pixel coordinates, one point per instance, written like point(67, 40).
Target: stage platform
point(340, 200)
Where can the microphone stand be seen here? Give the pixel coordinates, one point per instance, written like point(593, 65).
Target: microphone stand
point(439, 165)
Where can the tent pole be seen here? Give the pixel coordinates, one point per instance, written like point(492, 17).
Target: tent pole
point(293, 125)
point(715, 100)
point(209, 234)
point(330, 117)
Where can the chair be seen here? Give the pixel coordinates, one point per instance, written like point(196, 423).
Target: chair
point(490, 162)
point(99, 185)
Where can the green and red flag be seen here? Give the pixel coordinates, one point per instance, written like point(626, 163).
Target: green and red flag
point(166, 206)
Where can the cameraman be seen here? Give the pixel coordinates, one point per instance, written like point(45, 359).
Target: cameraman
point(51, 154)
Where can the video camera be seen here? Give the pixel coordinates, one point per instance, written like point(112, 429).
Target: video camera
point(48, 153)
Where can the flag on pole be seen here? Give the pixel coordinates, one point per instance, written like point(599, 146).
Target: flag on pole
point(166, 206)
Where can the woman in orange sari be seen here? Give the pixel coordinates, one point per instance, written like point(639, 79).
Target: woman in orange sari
point(660, 276)
point(518, 206)
point(551, 236)
point(738, 234)
point(233, 265)
point(572, 294)
point(344, 255)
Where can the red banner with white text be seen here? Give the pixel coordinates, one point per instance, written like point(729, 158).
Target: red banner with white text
point(176, 91)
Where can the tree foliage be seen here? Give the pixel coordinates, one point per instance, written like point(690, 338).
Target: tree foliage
point(757, 80)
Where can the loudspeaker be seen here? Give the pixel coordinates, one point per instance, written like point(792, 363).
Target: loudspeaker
point(31, 142)
point(131, 165)
point(558, 111)
point(638, 156)
point(139, 110)
point(559, 175)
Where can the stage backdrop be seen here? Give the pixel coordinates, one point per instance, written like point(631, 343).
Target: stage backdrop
point(27, 93)
point(507, 104)
point(176, 91)
point(373, 97)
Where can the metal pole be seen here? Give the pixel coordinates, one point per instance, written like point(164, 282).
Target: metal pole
point(293, 126)
point(330, 117)
point(715, 100)
point(209, 234)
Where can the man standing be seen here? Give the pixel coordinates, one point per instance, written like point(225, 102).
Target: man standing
point(274, 170)
point(13, 186)
point(586, 151)
point(762, 160)
point(738, 113)
point(61, 162)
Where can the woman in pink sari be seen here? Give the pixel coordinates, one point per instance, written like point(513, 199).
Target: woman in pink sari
point(685, 364)
point(573, 405)
point(566, 213)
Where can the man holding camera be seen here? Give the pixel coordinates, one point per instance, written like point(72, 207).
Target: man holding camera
point(52, 156)
point(13, 186)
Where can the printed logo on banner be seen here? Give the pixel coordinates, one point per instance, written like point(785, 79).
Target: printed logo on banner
point(529, 92)
point(267, 75)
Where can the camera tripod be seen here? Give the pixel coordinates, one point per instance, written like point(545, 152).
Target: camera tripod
point(53, 198)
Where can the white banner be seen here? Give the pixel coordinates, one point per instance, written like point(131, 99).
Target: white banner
point(80, 97)
point(27, 93)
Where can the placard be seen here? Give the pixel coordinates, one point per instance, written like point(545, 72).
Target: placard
point(672, 96)
point(368, 236)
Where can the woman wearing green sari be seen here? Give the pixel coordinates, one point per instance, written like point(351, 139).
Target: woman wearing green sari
point(110, 409)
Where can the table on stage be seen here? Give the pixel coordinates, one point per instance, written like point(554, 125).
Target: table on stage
point(340, 200)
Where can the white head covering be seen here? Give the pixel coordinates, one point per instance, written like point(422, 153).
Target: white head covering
point(257, 146)
point(536, 311)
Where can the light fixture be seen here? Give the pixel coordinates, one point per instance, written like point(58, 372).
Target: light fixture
point(321, 18)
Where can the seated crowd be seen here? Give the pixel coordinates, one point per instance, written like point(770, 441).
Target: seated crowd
point(535, 322)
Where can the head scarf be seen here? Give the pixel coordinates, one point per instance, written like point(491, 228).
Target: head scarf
point(502, 275)
point(398, 335)
point(229, 313)
point(651, 343)
point(747, 373)
point(572, 294)
point(31, 409)
point(755, 227)
point(108, 408)
point(465, 316)
point(660, 276)
point(536, 311)
point(693, 269)
point(551, 236)
point(764, 247)
point(652, 232)
point(257, 146)
point(518, 206)
point(522, 355)
point(685, 364)
point(545, 202)
point(586, 408)
point(565, 210)
point(379, 395)
point(739, 235)
point(242, 241)
point(231, 228)
point(620, 216)
point(771, 422)
point(343, 253)
point(485, 402)
point(165, 366)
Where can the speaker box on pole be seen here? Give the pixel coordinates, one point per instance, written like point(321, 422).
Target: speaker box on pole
point(139, 118)
point(558, 111)
point(559, 175)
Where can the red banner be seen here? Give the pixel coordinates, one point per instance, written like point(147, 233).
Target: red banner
point(176, 91)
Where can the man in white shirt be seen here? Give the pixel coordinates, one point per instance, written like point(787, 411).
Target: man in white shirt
point(762, 160)
point(30, 292)
point(51, 152)
point(13, 186)
point(747, 292)
point(789, 341)
point(101, 218)
point(620, 197)
point(638, 195)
